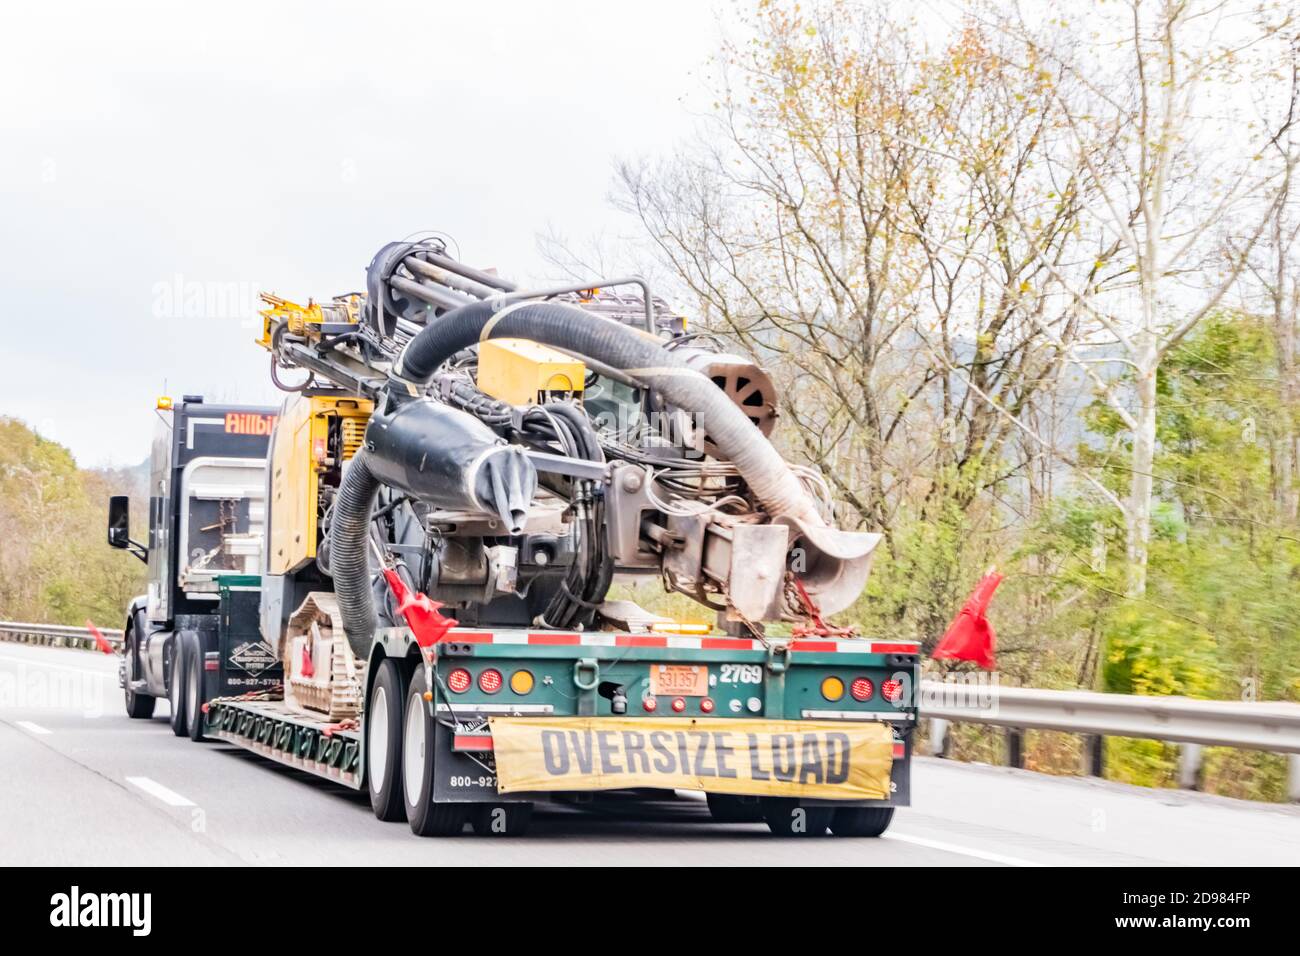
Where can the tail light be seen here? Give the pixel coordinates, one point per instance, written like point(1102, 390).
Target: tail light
point(650, 704)
point(521, 682)
point(459, 680)
point(679, 704)
point(892, 690)
point(489, 682)
point(832, 689)
point(706, 705)
point(861, 689)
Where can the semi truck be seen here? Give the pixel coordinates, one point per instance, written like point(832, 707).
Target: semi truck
point(410, 577)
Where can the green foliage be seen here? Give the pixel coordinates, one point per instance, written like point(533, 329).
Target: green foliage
point(55, 566)
point(1152, 652)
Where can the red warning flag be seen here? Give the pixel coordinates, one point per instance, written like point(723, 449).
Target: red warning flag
point(422, 617)
point(100, 640)
point(970, 636)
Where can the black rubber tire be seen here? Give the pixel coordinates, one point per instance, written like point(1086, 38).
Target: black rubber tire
point(138, 706)
point(387, 695)
point(730, 808)
point(787, 817)
point(427, 818)
point(501, 819)
point(176, 681)
point(861, 821)
point(195, 719)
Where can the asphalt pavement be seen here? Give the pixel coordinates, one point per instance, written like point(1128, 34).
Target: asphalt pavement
point(83, 784)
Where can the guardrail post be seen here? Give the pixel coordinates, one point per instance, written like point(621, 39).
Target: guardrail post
point(1293, 777)
point(1094, 755)
point(1189, 766)
point(1015, 748)
point(940, 738)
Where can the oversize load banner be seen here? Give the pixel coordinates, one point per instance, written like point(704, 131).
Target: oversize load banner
point(830, 760)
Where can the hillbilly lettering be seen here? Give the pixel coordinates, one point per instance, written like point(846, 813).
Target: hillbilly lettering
point(808, 758)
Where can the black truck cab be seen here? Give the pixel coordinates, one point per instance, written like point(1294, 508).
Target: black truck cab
point(207, 514)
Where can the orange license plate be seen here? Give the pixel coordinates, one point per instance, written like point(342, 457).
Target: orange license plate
point(679, 680)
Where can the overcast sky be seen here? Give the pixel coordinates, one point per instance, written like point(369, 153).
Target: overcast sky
point(152, 150)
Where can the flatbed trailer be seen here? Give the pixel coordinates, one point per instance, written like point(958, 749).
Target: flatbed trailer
point(609, 681)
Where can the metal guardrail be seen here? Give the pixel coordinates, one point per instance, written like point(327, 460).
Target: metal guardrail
point(56, 635)
point(1212, 723)
point(1195, 723)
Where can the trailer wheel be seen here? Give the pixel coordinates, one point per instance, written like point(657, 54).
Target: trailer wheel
point(501, 819)
point(138, 706)
point(384, 742)
point(177, 678)
point(787, 817)
point(194, 701)
point(861, 821)
point(731, 808)
point(418, 746)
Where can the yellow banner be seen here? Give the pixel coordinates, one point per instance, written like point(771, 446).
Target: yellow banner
point(786, 758)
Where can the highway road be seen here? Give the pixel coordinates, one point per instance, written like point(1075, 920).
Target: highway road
point(83, 784)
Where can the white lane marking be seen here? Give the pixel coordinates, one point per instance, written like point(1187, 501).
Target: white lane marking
point(155, 789)
point(963, 850)
point(30, 727)
point(37, 662)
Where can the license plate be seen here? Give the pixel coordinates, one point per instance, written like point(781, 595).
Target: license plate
point(679, 680)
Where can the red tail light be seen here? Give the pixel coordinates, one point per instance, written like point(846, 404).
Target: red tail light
point(459, 680)
point(650, 704)
point(892, 690)
point(679, 704)
point(489, 682)
point(861, 689)
point(706, 705)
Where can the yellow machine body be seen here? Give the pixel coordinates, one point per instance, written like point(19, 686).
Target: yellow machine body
point(307, 319)
point(525, 373)
point(300, 456)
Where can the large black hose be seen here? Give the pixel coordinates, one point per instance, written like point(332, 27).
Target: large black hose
point(635, 352)
point(349, 550)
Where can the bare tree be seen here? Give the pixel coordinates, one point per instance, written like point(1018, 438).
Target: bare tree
point(1149, 101)
point(882, 228)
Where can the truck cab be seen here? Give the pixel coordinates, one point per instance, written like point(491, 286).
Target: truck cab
point(207, 514)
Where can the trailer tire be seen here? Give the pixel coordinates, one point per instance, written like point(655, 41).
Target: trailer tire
point(501, 819)
point(861, 821)
point(732, 808)
point(384, 742)
point(138, 706)
point(194, 716)
point(177, 678)
point(787, 817)
point(418, 748)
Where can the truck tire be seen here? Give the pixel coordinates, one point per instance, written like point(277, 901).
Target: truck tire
point(384, 742)
point(861, 821)
point(194, 696)
point(177, 678)
point(730, 808)
point(138, 706)
point(787, 817)
point(501, 819)
point(426, 817)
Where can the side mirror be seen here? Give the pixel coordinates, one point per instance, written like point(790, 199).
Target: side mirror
point(119, 521)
